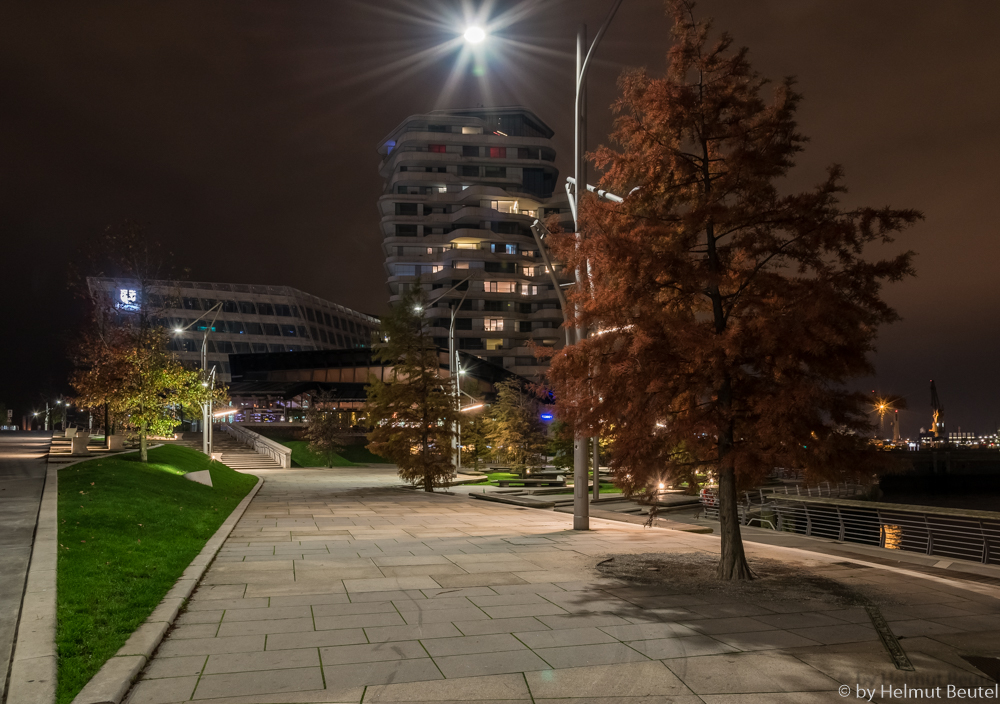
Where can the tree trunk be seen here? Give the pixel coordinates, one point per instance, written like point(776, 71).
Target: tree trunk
point(732, 560)
point(143, 444)
point(107, 427)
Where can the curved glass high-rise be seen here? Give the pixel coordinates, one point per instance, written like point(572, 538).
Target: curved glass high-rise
point(462, 188)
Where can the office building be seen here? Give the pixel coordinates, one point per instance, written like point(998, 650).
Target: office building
point(462, 188)
point(253, 319)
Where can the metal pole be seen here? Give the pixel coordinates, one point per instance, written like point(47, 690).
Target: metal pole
point(205, 420)
point(597, 467)
point(581, 505)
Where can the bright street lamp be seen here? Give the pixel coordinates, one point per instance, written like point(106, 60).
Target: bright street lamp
point(574, 187)
point(474, 35)
point(208, 378)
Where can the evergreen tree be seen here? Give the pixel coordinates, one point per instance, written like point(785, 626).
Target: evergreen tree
point(413, 415)
point(732, 313)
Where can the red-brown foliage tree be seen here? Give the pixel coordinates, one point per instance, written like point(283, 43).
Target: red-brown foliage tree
point(730, 314)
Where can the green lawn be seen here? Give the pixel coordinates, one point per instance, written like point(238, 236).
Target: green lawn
point(492, 479)
point(127, 531)
point(302, 456)
point(351, 456)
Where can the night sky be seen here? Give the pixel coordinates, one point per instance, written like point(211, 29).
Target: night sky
point(244, 133)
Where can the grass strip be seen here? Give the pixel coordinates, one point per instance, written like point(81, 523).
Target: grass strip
point(127, 530)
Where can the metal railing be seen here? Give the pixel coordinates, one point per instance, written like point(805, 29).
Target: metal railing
point(261, 445)
point(947, 533)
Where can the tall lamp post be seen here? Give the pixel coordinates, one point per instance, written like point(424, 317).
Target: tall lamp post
point(584, 54)
point(208, 377)
point(453, 359)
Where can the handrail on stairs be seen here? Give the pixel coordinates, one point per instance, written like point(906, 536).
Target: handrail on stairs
point(261, 445)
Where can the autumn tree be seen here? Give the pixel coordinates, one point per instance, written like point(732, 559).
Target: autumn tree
point(412, 415)
point(325, 431)
point(120, 358)
point(125, 367)
point(732, 313)
point(513, 427)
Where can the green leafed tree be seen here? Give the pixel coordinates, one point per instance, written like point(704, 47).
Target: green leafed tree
point(734, 310)
point(412, 415)
point(124, 366)
point(325, 431)
point(475, 444)
point(513, 427)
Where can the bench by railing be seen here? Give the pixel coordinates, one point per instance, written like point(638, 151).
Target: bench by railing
point(261, 445)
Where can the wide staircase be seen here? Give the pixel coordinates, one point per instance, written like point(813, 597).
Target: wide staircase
point(234, 454)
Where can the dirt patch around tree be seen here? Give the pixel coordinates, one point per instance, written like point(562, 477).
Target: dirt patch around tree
point(694, 573)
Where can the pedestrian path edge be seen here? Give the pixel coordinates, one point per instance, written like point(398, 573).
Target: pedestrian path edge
point(33, 662)
point(115, 677)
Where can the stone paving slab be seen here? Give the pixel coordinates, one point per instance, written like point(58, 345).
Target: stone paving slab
point(331, 591)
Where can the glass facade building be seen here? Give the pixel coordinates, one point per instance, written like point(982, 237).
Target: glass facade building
point(253, 319)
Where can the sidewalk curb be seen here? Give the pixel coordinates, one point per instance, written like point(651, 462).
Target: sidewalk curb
point(116, 676)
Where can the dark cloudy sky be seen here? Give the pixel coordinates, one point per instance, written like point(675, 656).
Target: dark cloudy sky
point(245, 133)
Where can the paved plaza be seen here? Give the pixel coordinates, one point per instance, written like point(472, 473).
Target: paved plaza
point(336, 586)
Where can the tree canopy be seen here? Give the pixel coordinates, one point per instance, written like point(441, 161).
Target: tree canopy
point(731, 314)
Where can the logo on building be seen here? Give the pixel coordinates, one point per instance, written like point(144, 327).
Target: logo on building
point(128, 299)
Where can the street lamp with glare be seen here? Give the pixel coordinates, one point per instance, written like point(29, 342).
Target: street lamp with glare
point(474, 35)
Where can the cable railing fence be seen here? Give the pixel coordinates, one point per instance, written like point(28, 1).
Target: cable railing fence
point(826, 511)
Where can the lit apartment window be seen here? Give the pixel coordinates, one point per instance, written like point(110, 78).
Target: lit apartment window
point(500, 287)
point(529, 290)
point(498, 152)
point(466, 245)
point(472, 130)
point(438, 148)
point(531, 213)
point(461, 265)
point(493, 324)
point(504, 206)
point(436, 268)
point(530, 270)
point(494, 344)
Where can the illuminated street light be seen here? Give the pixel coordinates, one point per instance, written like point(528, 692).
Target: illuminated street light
point(474, 35)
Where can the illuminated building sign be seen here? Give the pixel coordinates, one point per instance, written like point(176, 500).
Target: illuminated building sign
point(127, 299)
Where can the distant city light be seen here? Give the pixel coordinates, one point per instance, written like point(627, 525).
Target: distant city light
point(547, 416)
point(474, 35)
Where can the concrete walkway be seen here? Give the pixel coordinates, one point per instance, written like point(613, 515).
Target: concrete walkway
point(22, 476)
point(335, 587)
